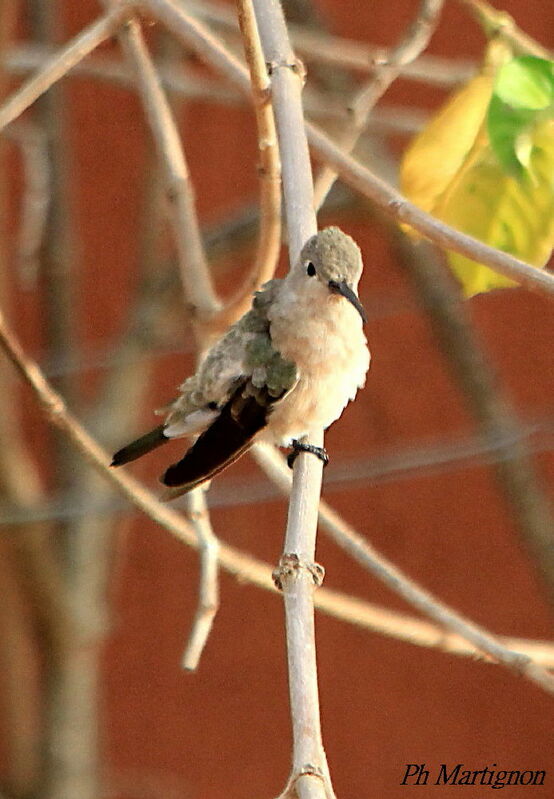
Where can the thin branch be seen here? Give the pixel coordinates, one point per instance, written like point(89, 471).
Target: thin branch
point(195, 273)
point(363, 552)
point(25, 58)
point(195, 35)
point(359, 177)
point(64, 60)
point(412, 44)
point(37, 178)
point(269, 242)
point(208, 602)
point(501, 24)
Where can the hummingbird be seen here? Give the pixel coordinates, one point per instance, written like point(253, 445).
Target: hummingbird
point(290, 365)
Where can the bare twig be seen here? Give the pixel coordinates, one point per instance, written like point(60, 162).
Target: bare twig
point(60, 63)
point(32, 142)
point(195, 274)
point(176, 81)
point(269, 243)
point(359, 177)
point(412, 44)
point(208, 594)
point(25, 58)
point(501, 24)
point(347, 53)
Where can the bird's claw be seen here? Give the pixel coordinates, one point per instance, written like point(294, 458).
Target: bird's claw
point(299, 446)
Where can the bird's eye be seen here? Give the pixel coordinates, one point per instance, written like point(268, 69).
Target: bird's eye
point(310, 269)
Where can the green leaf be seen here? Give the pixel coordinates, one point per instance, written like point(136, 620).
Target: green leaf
point(526, 82)
point(506, 128)
point(523, 95)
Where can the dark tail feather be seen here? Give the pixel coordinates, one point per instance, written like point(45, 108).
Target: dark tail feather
point(155, 438)
point(225, 440)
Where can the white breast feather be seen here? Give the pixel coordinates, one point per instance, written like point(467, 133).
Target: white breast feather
point(323, 335)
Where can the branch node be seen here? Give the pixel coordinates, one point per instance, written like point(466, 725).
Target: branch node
point(395, 205)
point(262, 95)
point(520, 663)
point(297, 66)
point(290, 566)
point(57, 407)
point(311, 769)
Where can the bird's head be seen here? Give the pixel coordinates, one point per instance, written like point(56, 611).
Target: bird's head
point(334, 259)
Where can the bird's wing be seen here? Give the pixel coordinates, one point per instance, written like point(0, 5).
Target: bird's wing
point(235, 356)
point(226, 439)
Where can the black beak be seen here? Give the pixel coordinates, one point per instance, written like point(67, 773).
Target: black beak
point(344, 289)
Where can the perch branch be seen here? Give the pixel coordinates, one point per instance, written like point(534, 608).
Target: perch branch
point(296, 576)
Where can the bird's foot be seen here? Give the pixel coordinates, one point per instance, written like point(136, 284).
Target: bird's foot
point(299, 446)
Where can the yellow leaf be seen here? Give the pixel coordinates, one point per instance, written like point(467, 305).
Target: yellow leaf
point(437, 154)
point(515, 216)
point(451, 171)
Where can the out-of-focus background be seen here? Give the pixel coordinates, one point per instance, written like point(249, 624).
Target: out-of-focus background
point(97, 600)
